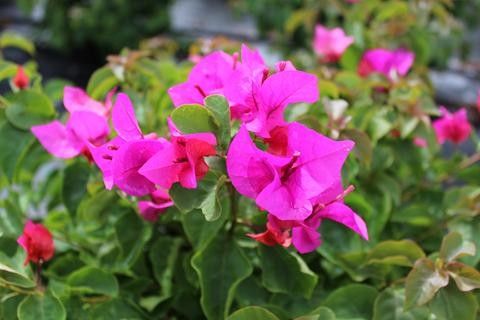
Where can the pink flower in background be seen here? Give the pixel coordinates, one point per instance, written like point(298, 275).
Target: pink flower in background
point(121, 158)
point(390, 63)
point(87, 124)
point(37, 242)
point(158, 204)
point(287, 186)
point(21, 80)
point(420, 142)
point(207, 77)
point(452, 127)
point(182, 159)
point(330, 44)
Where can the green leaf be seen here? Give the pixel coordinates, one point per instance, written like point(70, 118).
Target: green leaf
point(320, 313)
point(220, 266)
point(352, 301)
point(188, 199)
point(132, 234)
point(211, 206)
point(220, 110)
point(163, 256)
point(101, 82)
point(28, 108)
point(350, 58)
point(41, 307)
point(114, 309)
point(454, 247)
point(54, 88)
point(193, 118)
point(199, 231)
point(396, 252)
point(252, 313)
point(13, 143)
point(92, 280)
point(379, 126)
point(74, 185)
point(300, 280)
point(7, 69)
point(389, 306)
point(451, 303)
point(466, 277)
point(328, 89)
point(423, 282)
point(10, 39)
point(9, 305)
point(363, 146)
point(12, 269)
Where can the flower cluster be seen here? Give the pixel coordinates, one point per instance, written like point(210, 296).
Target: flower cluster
point(296, 180)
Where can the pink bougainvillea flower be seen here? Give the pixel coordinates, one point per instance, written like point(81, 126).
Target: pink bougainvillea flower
point(259, 99)
point(287, 184)
point(390, 63)
point(21, 80)
point(420, 142)
point(182, 160)
point(452, 127)
point(76, 99)
point(330, 44)
point(207, 77)
point(37, 242)
point(121, 158)
point(160, 201)
point(303, 234)
point(87, 124)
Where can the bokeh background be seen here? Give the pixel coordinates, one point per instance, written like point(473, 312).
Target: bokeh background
point(74, 36)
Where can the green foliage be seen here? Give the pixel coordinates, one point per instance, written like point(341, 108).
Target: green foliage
point(195, 262)
point(41, 307)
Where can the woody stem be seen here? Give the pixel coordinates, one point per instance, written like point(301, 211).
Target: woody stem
point(38, 275)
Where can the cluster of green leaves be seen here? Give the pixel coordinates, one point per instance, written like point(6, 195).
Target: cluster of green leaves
point(196, 261)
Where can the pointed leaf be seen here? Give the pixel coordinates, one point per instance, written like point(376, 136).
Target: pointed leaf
point(252, 313)
point(220, 266)
point(450, 303)
point(423, 282)
point(293, 277)
point(74, 184)
point(163, 256)
point(401, 252)
point(466, 277)
point(193, 118)
point(453, 247)
point(220, 109)
point(352, 301)
point(389, 306)
point(91, 280)
point(101, 82)
point(41, 307)
point(28, 108)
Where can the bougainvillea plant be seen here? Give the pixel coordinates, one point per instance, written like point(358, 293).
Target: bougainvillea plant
point(227, 188)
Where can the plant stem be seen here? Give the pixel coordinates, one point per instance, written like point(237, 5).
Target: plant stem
point(38, 276)
point(233, 206)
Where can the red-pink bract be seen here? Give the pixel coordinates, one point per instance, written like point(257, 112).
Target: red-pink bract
point(37, 242)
